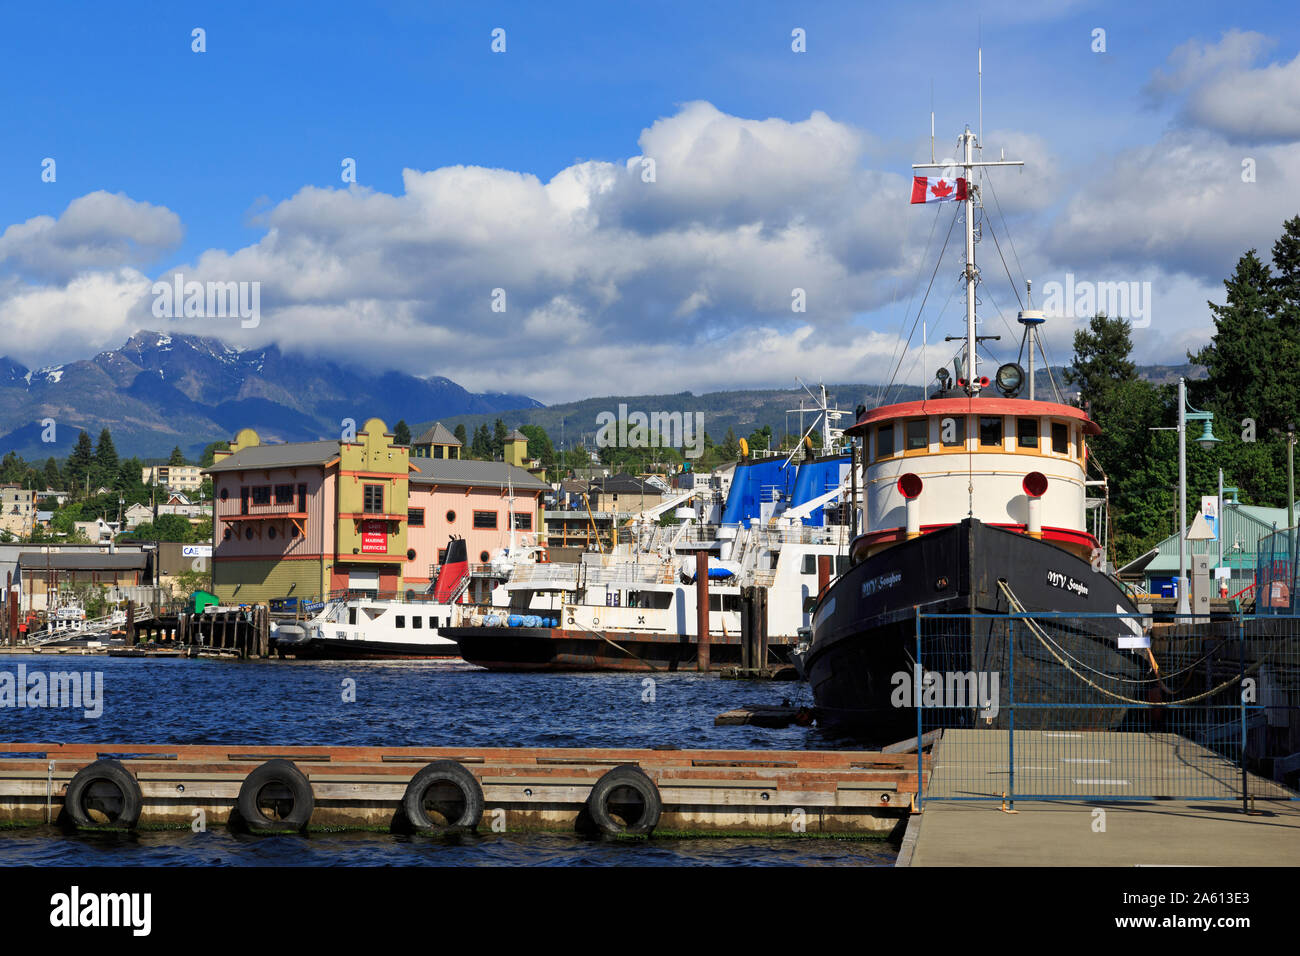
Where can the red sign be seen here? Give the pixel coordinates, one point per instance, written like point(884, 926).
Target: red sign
point(374, 537)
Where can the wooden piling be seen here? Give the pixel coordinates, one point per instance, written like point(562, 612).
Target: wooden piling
point(823, 573)
point(130, 624)
point(702, 608)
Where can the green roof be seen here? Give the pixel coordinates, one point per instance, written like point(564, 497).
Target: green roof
point(1243, 526)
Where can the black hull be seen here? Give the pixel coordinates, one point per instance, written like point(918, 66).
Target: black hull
point(560, 649)
point(324, 649)
point(865, 632)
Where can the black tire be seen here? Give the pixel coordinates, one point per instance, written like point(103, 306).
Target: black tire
point(625, 802)
point(443, 797)
point(104, 794)
point(276, 797)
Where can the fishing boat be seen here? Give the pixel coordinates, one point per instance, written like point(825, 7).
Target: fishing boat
point(975, 501)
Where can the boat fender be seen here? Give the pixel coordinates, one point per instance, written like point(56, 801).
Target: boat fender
point(610, 796)
point(429, 807)
point(286, 790)
point(80, 800)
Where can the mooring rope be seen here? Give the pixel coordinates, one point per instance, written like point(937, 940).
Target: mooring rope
point(1036, 631)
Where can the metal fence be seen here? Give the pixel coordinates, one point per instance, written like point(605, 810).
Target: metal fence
point(1276, 572)
point(1048, 706)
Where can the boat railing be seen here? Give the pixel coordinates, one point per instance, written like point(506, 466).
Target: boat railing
point(544, 573)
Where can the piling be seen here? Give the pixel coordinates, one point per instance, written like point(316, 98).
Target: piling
point(130, 624)
point(702, 608)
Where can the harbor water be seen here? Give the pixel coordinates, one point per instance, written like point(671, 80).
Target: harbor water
point(405, 703)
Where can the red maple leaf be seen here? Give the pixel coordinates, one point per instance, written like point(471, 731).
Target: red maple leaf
point(941, 188)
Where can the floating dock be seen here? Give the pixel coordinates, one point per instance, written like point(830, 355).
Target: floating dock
point(863, 793)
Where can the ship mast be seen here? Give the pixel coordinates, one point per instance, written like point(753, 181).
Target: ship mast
point(968, 164)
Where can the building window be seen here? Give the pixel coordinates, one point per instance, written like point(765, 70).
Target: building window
point(991, 431)
point(885, 441)
point(415, 517)
point(293, 531)
point(523, 522)
point(1060, 438)
point(451, 516)
point(248, 534)
point(442, 555)
point(437, 451)
point(917, 434)
point(270, 533)
point(485, 519)
point(226, 535)
point(224, 494)
point(374, 500)
point(284, 494)
point(483, 556)
point(260, 495)
point(1027, 432)
point(302, 498)
point(952, 431)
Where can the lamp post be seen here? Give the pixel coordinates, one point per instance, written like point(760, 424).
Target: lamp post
point(1207, 441)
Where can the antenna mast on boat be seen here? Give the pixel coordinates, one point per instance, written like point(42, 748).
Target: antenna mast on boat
point(968, 163)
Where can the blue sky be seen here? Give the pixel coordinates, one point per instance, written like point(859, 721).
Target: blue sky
point(226, 164)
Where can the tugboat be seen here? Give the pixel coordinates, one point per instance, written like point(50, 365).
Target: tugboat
point(975, 502)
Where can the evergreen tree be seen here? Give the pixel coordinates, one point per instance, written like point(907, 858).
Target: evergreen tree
point(459, 432)
point(401, 433)
point(80, 462)
point(52, 476)
point(177, 457)
point(104, 471)
point(539, 445)
point(482, 445)
point(1250, 359)
point(498, 439)
point(205, 459)
point(730, 446)
point(1135, 460)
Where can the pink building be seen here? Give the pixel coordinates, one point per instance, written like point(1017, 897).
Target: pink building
point(472, 500)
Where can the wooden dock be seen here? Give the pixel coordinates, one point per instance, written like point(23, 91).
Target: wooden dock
point(864, 793)
point(1167, 802)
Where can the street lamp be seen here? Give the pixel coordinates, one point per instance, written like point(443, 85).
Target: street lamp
point(1207, 441)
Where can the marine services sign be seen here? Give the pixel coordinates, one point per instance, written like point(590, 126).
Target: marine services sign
point(374, 537)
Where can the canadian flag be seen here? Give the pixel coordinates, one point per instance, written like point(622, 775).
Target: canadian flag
point(937, 189)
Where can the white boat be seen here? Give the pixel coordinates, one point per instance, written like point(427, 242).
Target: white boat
point(636, 609)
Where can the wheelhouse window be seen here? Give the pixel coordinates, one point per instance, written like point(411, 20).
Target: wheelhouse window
point(1060, 438)
point(485, 519)
point(1027, 432)
point(916, 434)
point(373, 500)
point(415, 517)
point(952, 431)
point(885, 441)
point(991, 431)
